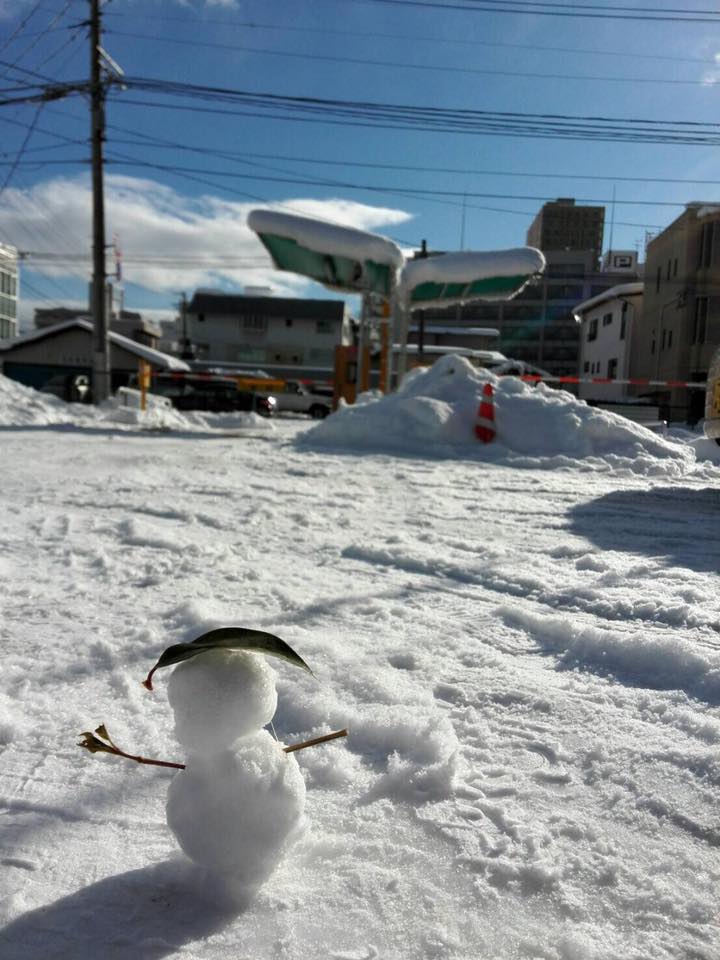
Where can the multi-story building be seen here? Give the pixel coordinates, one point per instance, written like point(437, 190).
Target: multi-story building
point(286, 337)
point(561, 225)
point(681, 310)
point(538, 326)
point(8, 291)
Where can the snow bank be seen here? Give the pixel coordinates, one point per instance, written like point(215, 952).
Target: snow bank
point(706, 449)
point(435, 410)
point(22, 406)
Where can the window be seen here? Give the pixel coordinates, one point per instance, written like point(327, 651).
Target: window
point(586, 367)
point(607, 319)
point(623, 321)
point(669, 339)
point(657, 278)
point(593, 329)
point(652, 346)
point(201, 318)
point(668, 269)
point(700, 323)
point(288, 321)
point(254, 322)
point(675, 266)
point(612, 368)
point(706, 245)
point(662, 342)
point(323, 326)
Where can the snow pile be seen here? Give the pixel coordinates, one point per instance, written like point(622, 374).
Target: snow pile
point(706, 449)
point(22, 406)
point(240, 799)
point(435, 411)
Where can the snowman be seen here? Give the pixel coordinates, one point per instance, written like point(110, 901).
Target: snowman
point(238, 804)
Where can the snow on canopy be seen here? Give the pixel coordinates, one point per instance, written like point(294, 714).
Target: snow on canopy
point(327, 238)
point(471, 275)
point(434, 413)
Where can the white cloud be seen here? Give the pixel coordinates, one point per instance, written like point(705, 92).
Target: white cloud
point(170, 242)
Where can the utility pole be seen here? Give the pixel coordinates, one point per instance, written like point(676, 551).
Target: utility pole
point(98, 299)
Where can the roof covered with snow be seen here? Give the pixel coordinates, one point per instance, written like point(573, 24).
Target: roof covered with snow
point(156, 357)
point(634, 289)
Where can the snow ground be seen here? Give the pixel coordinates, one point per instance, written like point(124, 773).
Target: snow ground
point(526, 654)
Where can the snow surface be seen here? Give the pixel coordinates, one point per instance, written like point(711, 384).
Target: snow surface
point(525, 647)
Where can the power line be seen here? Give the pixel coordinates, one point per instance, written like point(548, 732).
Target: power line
point(412, 38)
point(412, 168)
point(431, 119)
point(647, 15)
point(424, 67)
point(375, 188)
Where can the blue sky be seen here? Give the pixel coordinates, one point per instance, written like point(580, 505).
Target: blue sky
point(180, 181)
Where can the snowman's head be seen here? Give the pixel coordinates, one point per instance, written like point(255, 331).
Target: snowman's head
point(219, 696)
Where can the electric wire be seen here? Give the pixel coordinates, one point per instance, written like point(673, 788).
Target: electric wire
point(423, 67)
point(646, 15)
point(416, 168)
point(376, 188)
point(411, 38)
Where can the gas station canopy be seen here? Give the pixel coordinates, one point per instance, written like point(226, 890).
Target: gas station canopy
point(340, 258)
point(457, 278)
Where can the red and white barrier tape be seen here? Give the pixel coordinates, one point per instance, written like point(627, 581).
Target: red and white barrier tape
point(636, 382)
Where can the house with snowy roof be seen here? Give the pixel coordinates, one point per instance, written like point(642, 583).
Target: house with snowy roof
point(59, 358)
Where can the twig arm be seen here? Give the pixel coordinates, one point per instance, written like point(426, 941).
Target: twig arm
point(311, 743)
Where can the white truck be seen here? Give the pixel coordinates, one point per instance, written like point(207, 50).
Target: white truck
point(297, 398)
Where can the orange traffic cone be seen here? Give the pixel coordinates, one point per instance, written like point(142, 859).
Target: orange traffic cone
point(485, 423)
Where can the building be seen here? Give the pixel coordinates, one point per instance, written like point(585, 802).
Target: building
point(63, 354)
point(8, 291)
point(538, 327)
point(286, 337)
point(610, 328)
point(561, 225)
point(126, 322)
point(681, 309)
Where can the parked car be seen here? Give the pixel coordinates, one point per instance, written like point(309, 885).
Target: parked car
point(211, 394)
point(297, 398)
point(712, 400)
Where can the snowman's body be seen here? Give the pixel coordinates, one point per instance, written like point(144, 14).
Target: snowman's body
point(240, 799)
